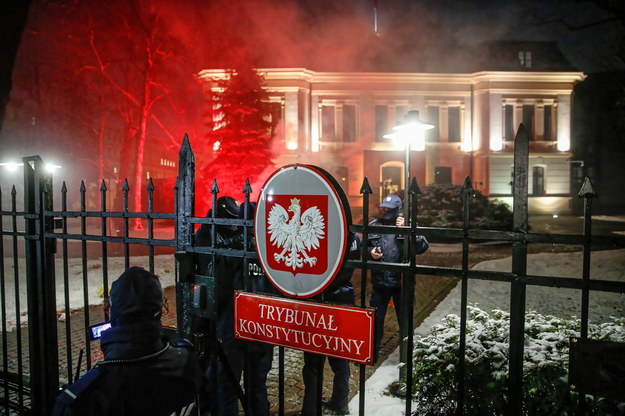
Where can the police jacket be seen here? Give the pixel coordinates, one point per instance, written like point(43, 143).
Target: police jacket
point(392, 249)
point(341, 289)
point(142, 374)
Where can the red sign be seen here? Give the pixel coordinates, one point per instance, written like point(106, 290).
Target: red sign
point(300, 227)
point(337, 331)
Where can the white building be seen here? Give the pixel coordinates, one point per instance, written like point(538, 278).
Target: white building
point(336, 120)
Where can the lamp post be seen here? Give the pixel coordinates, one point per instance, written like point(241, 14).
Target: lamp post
point(410, 135)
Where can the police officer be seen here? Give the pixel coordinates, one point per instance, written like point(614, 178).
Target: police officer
point(386, 284)
point(340, 291)
point(228, 272)
point(143, 373)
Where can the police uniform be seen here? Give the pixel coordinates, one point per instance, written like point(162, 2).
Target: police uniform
point(143, 373)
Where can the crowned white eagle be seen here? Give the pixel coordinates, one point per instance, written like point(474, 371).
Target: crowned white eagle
point(296, 235)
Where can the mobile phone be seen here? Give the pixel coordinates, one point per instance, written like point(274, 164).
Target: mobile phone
point(95, 331)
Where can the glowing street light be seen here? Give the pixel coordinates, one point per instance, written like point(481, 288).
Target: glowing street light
point(409, 135)
point(11, 166)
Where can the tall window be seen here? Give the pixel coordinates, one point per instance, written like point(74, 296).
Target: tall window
point(327, 123)
point(342, 175)
point(349, 123)
point(391, 180)
point(508, 116)
point(547, 122)
point(275, 111)
point(538, 180)
point(528, 120)
point(432, 135)
point(381, 122)
point(453, 124)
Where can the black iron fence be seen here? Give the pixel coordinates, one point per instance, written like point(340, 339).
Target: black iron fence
point(47, 251)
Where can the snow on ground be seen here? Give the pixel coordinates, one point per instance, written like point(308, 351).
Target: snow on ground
point(605, 265)
point(164, 266)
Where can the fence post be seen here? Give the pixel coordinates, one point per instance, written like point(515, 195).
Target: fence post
point(40, 278)
point(467, 192)
point(519, 267)
point(184, 205)
point(409, 291)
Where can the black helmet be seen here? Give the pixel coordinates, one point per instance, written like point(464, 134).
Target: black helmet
point(227, 207)
point(251, 208)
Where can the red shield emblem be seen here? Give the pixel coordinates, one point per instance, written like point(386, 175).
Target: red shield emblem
point(297, 227)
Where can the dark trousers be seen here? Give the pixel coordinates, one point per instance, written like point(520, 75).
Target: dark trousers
point(380, 298)
point(312, 373)
point(260, 359)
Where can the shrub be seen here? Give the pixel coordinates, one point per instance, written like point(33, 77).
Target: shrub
point(440, 205)
point(486, 365)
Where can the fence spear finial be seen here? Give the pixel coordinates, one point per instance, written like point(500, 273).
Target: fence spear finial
point(214, 187)
point(365, 188)
point(414, 187)
point(247, 189)
point(467, 187)
point(587, 190)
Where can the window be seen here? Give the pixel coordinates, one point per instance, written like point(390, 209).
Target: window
point(275, 111)
point(442, 174)
point(525, 59)
point(349, 123)
point(400, 113)
point(341, 174)
point(508, 116)
point(453, 124)
point(391, 180)
point(327, 123)
point(432, 135)
point(381, 122)
point(538, 180)
point(547, 123)
point(528, 120)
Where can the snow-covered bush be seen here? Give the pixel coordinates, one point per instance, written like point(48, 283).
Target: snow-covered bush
point(486, 365)
point(440, 205)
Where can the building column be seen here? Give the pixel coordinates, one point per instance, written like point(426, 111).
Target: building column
point(315, 123)
point(564, 123)
point(496, 122)
point(291, 121)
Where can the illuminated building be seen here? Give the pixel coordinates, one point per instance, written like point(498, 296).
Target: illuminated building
point(337, 120)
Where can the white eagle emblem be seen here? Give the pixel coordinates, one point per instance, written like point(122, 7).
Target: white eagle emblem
point(302, 232)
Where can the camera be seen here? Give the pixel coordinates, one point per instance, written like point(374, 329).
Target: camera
point(95, 331)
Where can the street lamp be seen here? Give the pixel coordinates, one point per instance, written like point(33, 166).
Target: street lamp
point(409, 135)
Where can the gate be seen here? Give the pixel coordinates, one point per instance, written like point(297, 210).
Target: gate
point(53, 253)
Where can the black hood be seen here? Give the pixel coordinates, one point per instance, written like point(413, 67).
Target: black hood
point(136, 297)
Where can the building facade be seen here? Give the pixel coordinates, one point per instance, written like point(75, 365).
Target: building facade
point(337, 120)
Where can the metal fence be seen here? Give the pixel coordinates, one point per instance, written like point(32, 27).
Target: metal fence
point(46, 346)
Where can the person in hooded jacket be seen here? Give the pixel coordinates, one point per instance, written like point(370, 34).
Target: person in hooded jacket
point(386, 284)
point(143, 372)
point(340, 291)
point(228, 272)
